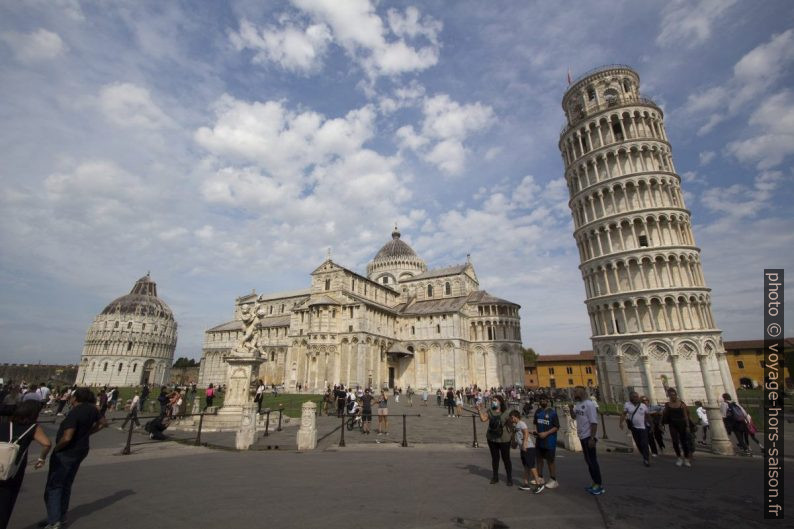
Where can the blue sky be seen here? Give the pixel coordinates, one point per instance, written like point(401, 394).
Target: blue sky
point(226, 147)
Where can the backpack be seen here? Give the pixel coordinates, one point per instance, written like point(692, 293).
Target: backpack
point(735, 412)
point(9, 453)
point(495, 426)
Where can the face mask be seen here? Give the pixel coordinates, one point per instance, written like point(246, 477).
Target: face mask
point(494, 405)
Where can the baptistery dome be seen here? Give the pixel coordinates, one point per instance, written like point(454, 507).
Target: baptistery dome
point(131, 342)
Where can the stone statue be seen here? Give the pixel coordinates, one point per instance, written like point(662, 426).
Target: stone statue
point(249, 342)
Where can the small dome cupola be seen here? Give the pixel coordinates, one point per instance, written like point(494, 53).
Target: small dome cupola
point(395, 261)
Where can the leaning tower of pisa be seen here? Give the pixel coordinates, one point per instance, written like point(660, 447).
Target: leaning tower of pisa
point(649, 306)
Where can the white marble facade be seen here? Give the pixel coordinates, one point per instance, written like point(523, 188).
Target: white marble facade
point(131, 342)
point(401, 325)
point(646, 296)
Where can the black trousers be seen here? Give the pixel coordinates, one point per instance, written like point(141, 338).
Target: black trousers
point(9, 490)
point(641, 439)
point(503, 450)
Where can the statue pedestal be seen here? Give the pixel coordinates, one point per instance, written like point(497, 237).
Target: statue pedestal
point(720, 442)
point(307, 433)
point(246, 435)
point(567, 433)
point(236, 401)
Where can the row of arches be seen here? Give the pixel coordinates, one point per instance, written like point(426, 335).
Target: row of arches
point(616, 162)
point(127, 347)
point(481, 331)
point(624, 197)
point(651, 230)
point(631, 124)
point(631, 274)
point(652, 314)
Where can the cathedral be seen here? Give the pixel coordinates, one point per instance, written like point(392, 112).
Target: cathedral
point(400, 325)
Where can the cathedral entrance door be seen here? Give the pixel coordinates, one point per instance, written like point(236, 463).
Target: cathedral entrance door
point(391, 377)
point(146, 372)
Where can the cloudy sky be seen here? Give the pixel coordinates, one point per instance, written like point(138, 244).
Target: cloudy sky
point(227, 147)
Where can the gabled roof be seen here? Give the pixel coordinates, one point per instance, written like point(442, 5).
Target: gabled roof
point(433, 306)
point(438, 272)
point(752, 344)
point(284, 295)
point(322, 299)
point(371, 303)
point(234, 325)
point(585, 356)
point(274, 321)
point(483, 297)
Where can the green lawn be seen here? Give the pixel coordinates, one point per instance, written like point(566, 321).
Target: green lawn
point(291, 402)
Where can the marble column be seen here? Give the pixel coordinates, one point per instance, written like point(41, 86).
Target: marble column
point(624, 381)
point(679, 382)
point(720, 443)
point(646, 368)
point(725, 373)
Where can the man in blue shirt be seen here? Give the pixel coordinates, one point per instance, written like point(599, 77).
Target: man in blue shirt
point(546, 423)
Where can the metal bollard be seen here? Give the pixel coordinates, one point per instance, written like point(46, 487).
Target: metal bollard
point(405, 437)
point(342, 438)
point(603, 428)
point(280, 412)
point(127, 450)
point(267, 423)
point(198, 434)
point(474, 443)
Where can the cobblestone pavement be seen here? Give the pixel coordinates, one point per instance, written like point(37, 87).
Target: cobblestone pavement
point(386, 486)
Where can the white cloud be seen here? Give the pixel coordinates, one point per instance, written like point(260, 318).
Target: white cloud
point(361, 32)
point(129, 105)
point(38, 45)
point(738, 200)
point(282, 142)
point(706, 157)
point(292, 48)
point(687, 23)
point(445, 127)
point(775, 119)
point(753, 76)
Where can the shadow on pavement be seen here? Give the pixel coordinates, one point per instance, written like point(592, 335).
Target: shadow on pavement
point(92, 507)
point(478, 471)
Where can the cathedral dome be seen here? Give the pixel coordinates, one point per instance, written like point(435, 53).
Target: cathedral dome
point(142, 300)
point(395, 262)
point(396, 247)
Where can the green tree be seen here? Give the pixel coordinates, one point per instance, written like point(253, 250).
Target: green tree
point(530, 356)
point(185, 362)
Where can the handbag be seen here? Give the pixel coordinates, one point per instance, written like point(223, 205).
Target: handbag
point(9, 453)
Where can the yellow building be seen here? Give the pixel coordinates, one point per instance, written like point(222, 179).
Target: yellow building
point(562, 371)
point(746, 361)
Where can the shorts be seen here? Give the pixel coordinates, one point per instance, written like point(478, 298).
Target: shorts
point(528, 457)
point(383, 411)
point(546, 453)
point(366, 416)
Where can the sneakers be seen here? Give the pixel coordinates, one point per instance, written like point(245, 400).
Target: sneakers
point(654, 455)
point(646, 462)
point(679, 462)
point(552, 484)
point(494, 480)
point(509, 482)
point(525, 487)
point(539, 489)
point(687, 463)
point(597, 491)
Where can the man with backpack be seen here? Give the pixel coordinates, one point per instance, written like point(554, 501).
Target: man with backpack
point(735, 419)
point(634, 416)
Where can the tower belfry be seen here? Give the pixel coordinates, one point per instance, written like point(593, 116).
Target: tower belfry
point(648, 303)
